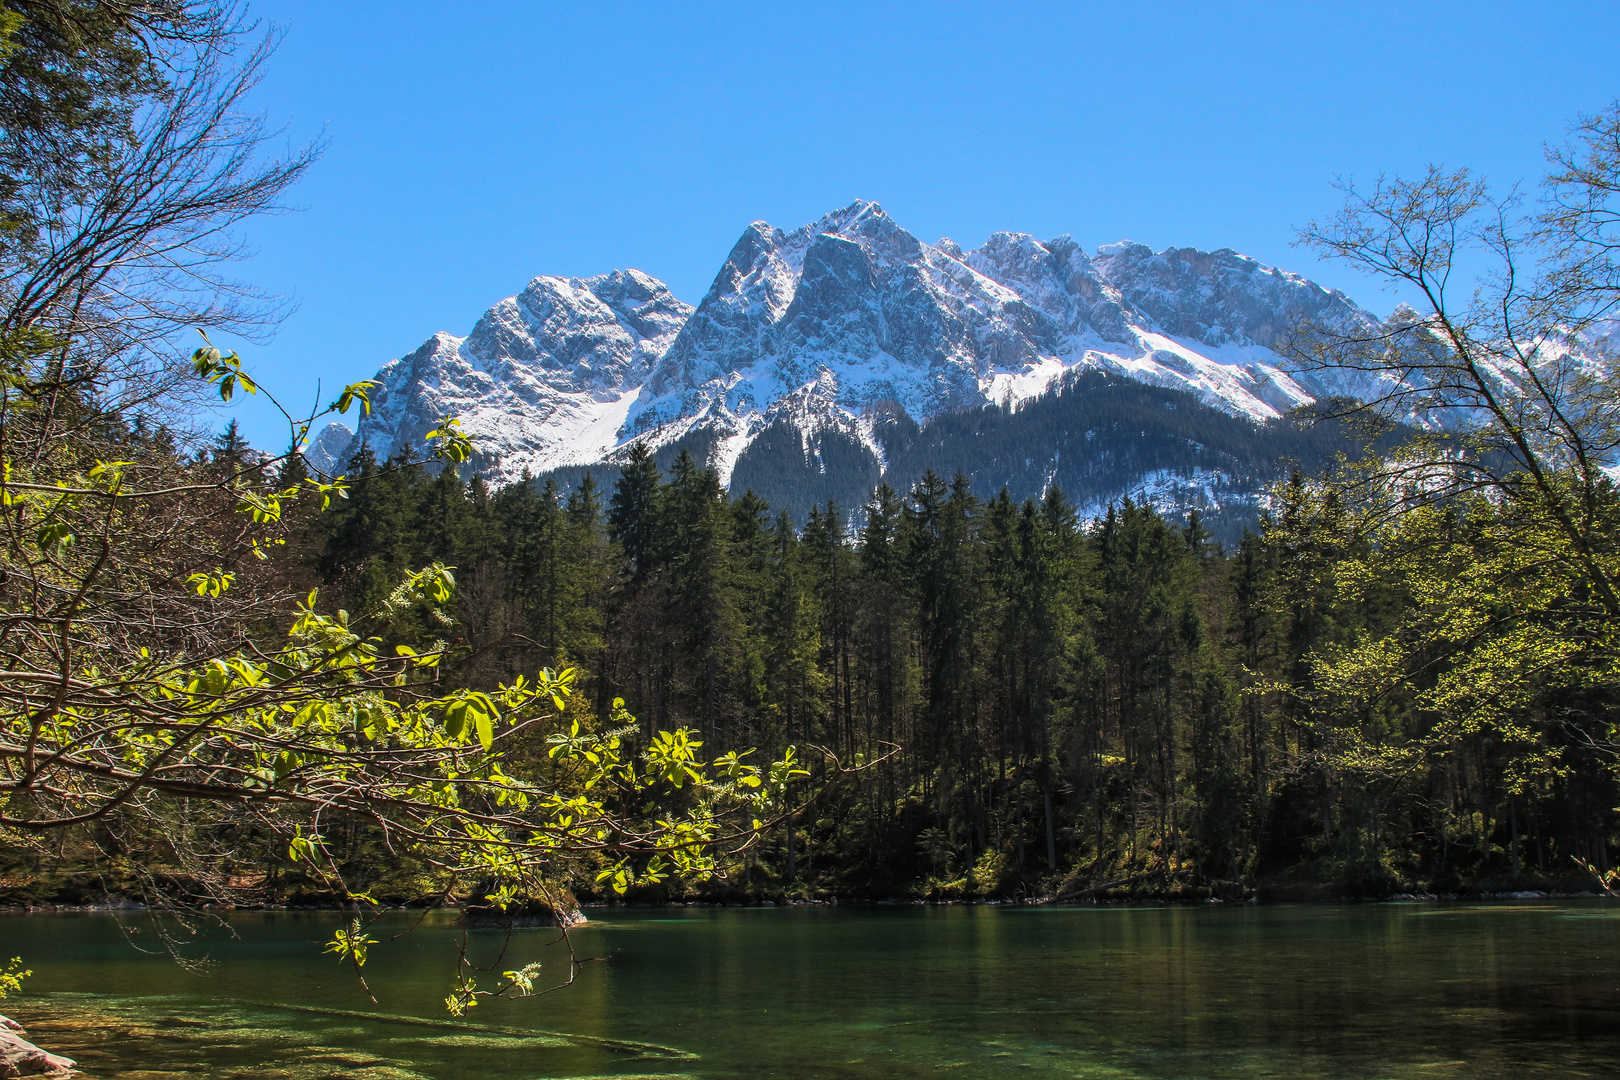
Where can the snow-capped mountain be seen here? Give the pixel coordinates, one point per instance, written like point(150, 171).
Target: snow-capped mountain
point(326, 452)
point(543, 380)
point(832, 331)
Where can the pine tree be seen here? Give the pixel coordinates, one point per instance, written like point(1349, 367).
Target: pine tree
point(634, 514)
point(294, 470)
point(229, 450)
point(644, 661)
point(592, 565)
point(832, 568)
point(884, 624)
point(368, 539)
point(700, 609)
point(749, 576)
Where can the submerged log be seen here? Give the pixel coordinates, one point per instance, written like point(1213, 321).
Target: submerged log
point(19, 1057)
point(1092, 890)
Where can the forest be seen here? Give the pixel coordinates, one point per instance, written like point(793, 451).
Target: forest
point(1050, 706)
point(232, 678)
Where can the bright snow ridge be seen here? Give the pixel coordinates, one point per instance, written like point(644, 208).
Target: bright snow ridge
point(827, 325)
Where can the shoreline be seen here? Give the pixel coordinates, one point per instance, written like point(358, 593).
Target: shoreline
point(132, 907)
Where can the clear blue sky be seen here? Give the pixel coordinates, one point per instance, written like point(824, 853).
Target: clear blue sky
point(475, 145)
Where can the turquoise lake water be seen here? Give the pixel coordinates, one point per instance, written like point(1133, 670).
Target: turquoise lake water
point(1421, 990)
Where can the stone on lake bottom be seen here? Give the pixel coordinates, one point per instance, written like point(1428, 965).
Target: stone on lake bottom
point(19, 1057)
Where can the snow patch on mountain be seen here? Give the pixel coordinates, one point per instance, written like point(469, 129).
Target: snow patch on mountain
point(325, 453)
point(840, 321)
point(545, 379)
point(1170, 492)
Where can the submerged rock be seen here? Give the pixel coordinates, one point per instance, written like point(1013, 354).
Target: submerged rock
point(19, 1057)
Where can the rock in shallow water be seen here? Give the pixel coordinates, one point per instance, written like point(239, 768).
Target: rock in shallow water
point(19, 1057)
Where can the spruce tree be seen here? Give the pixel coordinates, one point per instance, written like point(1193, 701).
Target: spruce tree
point(635, 511)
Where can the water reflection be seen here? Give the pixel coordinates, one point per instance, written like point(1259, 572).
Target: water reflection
point(1408, 990)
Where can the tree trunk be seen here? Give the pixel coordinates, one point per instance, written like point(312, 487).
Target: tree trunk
point(1513, 818)
point(793, 864)
point(1051, 835)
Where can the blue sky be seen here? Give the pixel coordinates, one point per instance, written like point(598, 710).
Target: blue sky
point(473, 146)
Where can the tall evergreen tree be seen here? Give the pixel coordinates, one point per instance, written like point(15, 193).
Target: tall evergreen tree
point(634, 513)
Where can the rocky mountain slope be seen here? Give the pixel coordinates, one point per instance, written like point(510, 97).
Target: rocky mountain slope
point(544, 379)
point(815, 349)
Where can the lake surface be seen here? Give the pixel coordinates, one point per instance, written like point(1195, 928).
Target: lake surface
point(1422, 990)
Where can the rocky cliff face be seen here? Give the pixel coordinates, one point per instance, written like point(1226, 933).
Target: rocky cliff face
point(544, 379)
point(326, 451)
point(831, 331)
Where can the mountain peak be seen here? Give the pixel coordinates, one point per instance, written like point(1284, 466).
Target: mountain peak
point(848, 216)
point(847, 318)
point(1122, 247)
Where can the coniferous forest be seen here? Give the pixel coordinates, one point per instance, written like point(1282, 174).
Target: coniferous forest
point(1389, 666)
point(1000, 699)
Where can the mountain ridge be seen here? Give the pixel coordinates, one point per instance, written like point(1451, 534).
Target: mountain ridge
point(831, 329)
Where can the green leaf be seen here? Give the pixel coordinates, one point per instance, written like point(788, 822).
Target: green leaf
point(455, 720)
point(55, 538)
